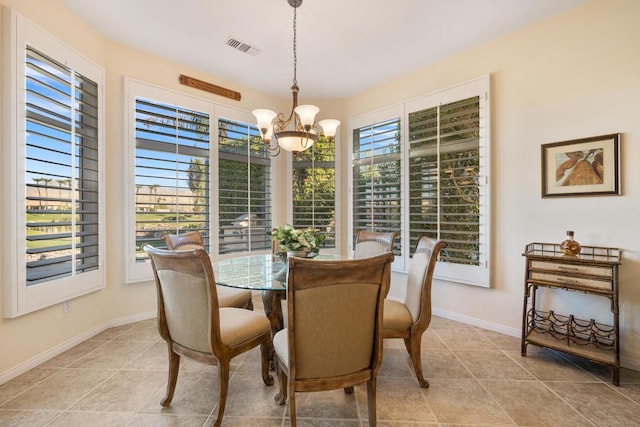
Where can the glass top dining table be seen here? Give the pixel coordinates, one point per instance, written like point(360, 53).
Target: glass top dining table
point(254, 272)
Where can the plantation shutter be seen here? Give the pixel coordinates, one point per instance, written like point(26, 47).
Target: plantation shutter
point(314, 190)
point(244, 188)
point(377, 201)
point(61, 182)
point(171, 173)
point(444, 178)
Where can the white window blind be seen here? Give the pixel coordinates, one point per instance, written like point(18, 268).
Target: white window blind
point(314, 190)
point(376, 175)
point(430, 179)
point(171, 172)
point(62, 210)
point(244, 188)
point(444, 167)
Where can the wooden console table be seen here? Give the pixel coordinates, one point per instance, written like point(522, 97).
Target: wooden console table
point(594, 271)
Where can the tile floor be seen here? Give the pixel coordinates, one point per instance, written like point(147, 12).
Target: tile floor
point(478, 378)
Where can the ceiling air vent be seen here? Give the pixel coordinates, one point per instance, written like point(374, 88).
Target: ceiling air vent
point(242, 46)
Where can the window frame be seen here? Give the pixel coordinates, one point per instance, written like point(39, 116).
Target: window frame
point(472, 275)
point(141, 271)
point(20, 299)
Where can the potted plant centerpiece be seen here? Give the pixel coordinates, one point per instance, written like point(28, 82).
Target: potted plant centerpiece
point(297, 242)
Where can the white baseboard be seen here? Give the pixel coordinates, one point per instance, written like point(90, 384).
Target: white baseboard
point(514, 332)
point(495, 327)
point(61, 348)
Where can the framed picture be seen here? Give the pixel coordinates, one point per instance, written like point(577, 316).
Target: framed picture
point(581, 167)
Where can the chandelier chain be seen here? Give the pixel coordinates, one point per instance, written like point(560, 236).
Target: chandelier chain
point(295, 50)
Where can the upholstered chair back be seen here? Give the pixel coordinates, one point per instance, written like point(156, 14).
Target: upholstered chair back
point(371, 243)
point(190, 240)
point(333, 308)
point(186, 297)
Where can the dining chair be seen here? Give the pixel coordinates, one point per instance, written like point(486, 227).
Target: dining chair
point(195, 326)
point(372, 243)
point(409, 318)
point(334, 334)
point(227, 297)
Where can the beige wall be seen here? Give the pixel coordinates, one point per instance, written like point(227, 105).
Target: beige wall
point(574, 75)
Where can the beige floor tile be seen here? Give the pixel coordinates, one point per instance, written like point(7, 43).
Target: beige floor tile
point(13, 388)
point(333, 405)
point(523, 401)
point(92, 419)
point(19, 418)
point(501, 341)
point(249, 396)
point(132, 362)
point(59, 391)
point(111, 333)
point(395, 363)
point(147, 330)
point(154, 358)
point(548, 365)
point(114, 355)
point(464, 402)
point(247, 422)
point(492, 365)
point(396, 400)
point(465, 339)
point(443, 364)
point(195, 394)
point(306, 422)
point(126, 391)
point(166, 420)
point(74, 354)
point(601, 403)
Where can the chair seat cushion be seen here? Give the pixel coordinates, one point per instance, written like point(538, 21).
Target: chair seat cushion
point(396, 315)
point(232, 297)
point(238, 325)
point(281, 345)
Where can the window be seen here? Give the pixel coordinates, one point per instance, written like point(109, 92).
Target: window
point(439, 166)
point(244, 188)
point(55, 158)
point(171, 172)
point(194, 166)
point(314, 189)
point(377, 166)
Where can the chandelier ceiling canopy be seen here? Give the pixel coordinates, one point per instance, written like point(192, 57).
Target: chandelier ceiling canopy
point(299, 131)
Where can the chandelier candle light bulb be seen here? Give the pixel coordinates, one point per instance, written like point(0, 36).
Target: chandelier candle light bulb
point(299, 131)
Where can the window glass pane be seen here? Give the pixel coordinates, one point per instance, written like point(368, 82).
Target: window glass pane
point(377, 201)
point(244, 188)
point(172, 173)
point(314, 189)
point(62, 198)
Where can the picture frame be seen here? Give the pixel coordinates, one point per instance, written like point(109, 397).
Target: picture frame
point(582, 167)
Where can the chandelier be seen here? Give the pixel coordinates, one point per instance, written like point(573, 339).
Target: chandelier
point(299, 131)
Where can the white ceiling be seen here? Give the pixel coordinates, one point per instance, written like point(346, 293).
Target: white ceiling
point(344, 46)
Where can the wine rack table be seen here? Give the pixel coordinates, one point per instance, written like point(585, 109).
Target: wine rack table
point(593, 271)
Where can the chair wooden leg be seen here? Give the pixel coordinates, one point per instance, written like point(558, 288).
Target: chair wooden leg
point(174, 367)
point(371, 401)
point(413, 347)
point(292, 404)
point(281, 397)
point(223, 389)
point(264, 351)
